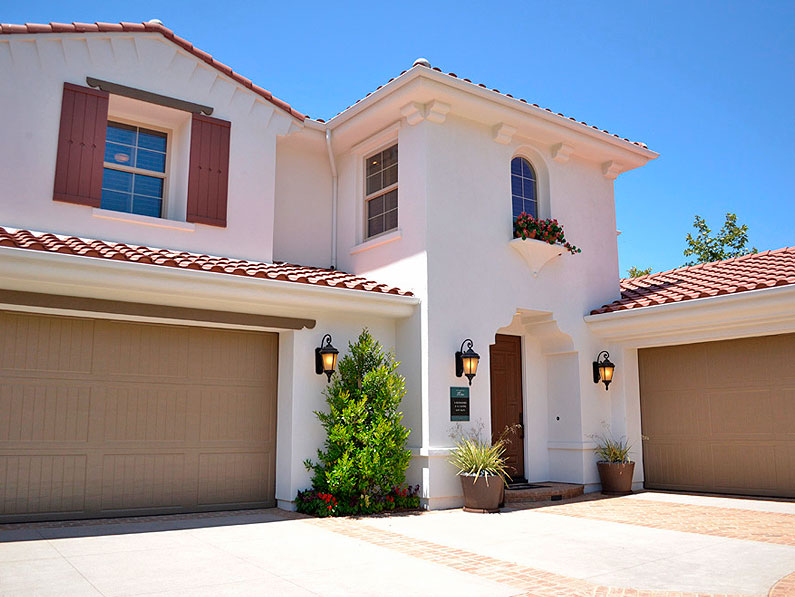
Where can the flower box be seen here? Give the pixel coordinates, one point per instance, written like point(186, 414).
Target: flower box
point(537, 253)
point(539, 241)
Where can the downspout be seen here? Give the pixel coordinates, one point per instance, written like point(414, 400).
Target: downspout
point(333, 166)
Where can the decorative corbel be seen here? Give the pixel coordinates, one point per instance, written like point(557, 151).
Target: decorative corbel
point(503, 133)
point(611, 169)
point(436, 111)
point(561, 152)
point(413, 112)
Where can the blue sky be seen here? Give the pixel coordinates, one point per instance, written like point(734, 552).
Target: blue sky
point(708, 85)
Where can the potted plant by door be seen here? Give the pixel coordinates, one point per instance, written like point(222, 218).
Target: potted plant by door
point(615, 467)
point(481, 467)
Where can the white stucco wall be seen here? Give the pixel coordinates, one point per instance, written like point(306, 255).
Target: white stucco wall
point(33, 69)
point(302, 218)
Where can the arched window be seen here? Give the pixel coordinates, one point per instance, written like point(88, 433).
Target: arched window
point(523, 188)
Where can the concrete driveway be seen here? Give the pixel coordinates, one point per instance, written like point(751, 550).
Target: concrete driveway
point(645, 544)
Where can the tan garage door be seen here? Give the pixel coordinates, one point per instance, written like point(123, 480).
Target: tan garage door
point(720, 416)
point(108, 418)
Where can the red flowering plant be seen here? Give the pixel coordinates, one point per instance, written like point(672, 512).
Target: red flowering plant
point(550, 231)
point(321, 504)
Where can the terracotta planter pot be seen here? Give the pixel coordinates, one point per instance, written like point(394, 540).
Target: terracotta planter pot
point(480, 497)
point(616, 477)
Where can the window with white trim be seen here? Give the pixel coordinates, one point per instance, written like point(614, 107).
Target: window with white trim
point(381, 191)
point(524, 196)
point(134, 173)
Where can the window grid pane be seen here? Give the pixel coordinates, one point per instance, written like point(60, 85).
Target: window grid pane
point(140, 148)
point(381, 171)
point(382, 213)
point(523, 188)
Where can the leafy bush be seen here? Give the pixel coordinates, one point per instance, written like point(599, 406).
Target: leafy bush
point(364, 460)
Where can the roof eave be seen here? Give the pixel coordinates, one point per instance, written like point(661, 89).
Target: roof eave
point(486, 94)
point(739, 313)
point(76, 275)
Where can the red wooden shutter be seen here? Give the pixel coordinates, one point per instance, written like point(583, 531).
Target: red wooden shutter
point(208, 174)
point(81, 145)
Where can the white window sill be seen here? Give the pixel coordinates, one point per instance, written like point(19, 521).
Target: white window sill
point(377, 241)
point(120, 216)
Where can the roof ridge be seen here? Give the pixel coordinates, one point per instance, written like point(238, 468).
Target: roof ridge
point(151, 27)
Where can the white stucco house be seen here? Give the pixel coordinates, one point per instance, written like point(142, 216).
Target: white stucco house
point(175, 241)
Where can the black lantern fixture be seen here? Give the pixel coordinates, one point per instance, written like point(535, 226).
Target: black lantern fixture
point(466, 361)
point(603, 369)
point(326, 357)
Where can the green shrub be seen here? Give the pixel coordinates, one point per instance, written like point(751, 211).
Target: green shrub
point(364, 459)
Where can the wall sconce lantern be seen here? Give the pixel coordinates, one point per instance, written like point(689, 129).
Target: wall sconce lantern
point(603, 370)
point(326, 357)
point(466, 361)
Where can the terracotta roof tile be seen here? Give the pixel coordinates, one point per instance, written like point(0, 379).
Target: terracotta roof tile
point(99, 249)
point(153, 28)
point(508, 95)
point(754, 271)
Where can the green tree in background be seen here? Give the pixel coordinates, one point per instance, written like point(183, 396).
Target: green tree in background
point(636, 272)
point(365, 455)
point(730, 241)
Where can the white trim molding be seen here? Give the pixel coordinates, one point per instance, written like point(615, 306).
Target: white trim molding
point(74, 275)
point(120, 216)
point(377, 241)
point(745, 314)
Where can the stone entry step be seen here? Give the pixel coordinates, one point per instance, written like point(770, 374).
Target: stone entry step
point(539, 492)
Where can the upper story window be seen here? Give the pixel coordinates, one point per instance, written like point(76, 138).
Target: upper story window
point(524, 196)
point(381, 191)
point(134, 173)
point(103, 162)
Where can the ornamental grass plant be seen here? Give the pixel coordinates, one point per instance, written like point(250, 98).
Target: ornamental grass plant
point(475, 457)
point(612, 450)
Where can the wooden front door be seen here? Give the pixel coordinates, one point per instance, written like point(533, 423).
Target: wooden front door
point(506, 399)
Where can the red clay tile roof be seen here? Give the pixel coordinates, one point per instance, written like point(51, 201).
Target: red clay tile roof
point(524, 101)
point(71, 245)
point(739, 274)
point(151, 28)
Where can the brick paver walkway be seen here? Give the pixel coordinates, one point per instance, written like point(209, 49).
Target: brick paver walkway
point(732, 523)
point(530, 582)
